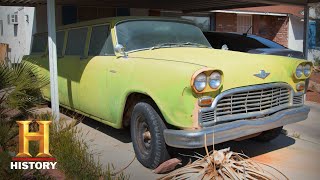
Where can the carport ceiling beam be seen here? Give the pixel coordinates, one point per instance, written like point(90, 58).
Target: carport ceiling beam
point(186, 5)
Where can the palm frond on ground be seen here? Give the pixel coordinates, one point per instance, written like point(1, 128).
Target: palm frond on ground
point(225, 164)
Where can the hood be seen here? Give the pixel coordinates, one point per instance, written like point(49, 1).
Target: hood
point(279, 52)
point(238, 68)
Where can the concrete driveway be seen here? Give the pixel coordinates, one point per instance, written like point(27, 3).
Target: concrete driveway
point(295, 154)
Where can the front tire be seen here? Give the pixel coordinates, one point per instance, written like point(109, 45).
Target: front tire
point(147, 135)
point(269, 135)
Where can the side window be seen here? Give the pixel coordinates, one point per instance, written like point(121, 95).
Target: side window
point(101, 43)
point(39, 44)
point(76, 41)
point(60, 42)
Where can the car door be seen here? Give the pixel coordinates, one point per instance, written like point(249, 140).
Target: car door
point(69, 65)
point(94, 72)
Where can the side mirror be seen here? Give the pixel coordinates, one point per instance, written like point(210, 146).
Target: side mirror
point(120, 51)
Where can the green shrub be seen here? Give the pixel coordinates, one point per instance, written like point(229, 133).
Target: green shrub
point(72, 153)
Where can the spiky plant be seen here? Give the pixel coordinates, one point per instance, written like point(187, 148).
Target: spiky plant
point(19, 90)
point(19, 87)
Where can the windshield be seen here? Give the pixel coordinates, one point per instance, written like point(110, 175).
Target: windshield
point(266, 42)
point(153, 34)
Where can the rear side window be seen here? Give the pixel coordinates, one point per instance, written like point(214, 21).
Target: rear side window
point(39, 44)
point(100, 42)
point(76, 41)
point(60, 42)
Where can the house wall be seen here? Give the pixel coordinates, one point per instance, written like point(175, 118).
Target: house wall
point(20, 44)
point(41, 17)
point(274, 28)
point(295, 41)
point(226, 22)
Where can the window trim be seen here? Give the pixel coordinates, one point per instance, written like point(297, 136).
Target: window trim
point(64, 45)
point(86, 41)
point(1, 27)
point(110, 34)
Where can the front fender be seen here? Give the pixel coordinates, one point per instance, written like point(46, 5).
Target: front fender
point(167, 83)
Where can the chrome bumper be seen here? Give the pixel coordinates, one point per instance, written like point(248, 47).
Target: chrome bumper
point(233, 130)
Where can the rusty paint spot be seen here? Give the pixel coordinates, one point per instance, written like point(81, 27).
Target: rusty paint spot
point(184, 89)
point(195, 116)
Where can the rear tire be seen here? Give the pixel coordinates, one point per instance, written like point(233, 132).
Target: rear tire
point(269, 135)
point(147, 135)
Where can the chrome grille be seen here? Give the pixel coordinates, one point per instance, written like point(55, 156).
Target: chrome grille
point(252, 101)
point(248, 104)
point(298, 100)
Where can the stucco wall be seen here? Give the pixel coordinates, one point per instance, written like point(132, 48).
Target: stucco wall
point(295, 33)
point(18, 45)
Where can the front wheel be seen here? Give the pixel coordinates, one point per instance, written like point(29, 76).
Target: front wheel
point(147, 135)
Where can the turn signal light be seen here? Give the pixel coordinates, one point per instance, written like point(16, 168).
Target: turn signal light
point(300, 86)
point(205, 101)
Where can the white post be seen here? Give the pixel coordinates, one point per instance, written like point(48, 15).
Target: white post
point(306, 31)
point(53, 59)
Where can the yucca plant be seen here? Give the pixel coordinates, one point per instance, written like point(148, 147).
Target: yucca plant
point(19, 87)
point(19, 90)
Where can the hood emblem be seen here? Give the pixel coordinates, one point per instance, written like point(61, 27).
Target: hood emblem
point(262, 74)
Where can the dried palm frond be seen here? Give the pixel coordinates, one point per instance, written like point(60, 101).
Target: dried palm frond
point(225, 164)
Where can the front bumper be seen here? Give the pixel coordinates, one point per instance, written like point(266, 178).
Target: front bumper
point(233, 130)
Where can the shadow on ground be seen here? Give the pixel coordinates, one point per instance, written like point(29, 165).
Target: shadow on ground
point(248, 147)
point(122, 135)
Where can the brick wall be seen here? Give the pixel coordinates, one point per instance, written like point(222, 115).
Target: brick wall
point(226, 22)
point(274, 28)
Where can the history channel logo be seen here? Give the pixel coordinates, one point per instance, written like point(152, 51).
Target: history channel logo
point(23, 159)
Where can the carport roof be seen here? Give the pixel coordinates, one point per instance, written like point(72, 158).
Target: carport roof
point(184, 5)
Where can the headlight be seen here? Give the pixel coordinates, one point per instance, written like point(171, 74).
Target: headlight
point(307, 70)
point(215, 80)
point(200, 82)
point(299, 71)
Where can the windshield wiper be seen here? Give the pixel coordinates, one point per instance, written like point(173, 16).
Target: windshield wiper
point(195, 44)
point(184, 44)
point(164, 45)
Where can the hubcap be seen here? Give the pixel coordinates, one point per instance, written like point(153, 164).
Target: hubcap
point(144, 134)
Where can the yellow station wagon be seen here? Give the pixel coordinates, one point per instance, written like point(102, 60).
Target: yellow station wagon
point(162, 78)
